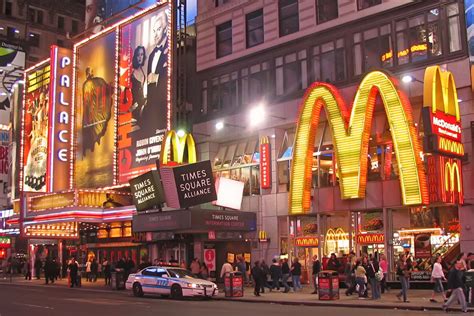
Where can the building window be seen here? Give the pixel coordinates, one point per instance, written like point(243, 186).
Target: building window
point(222, 93)
point(329, 61)
point(326, 10)
point(12, 33)
point(60, 22)
point(224, 39)
point(60, 43)
point(288, 16)
point(75, 27)
point(255, 81)
point(34, 39)
point(364, 4)
point(221, 2)
point(35, 15)
point(454, 28)
point(291, 74)
point(204, 103)
point(254, 28)
point(8, 8)
point(373, 49)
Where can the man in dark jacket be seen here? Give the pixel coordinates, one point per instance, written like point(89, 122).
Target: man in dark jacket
point(371, 270)
point(49, 270)
point(316, 270)
point(38, 265)
point(257, 275)
point(285, 274)
point(456, 285)
point(333, 264)
point(73, 268)
point(275, 273)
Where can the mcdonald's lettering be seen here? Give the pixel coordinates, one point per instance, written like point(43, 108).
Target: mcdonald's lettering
point(350, 133)
point(307, 241)
point(174, 148)
point(265, 164)
point(364, 239)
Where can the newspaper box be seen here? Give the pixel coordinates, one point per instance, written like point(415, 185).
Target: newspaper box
point(328, 285)
point(233, 284)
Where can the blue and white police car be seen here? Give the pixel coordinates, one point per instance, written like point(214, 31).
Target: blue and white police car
point(169, 281)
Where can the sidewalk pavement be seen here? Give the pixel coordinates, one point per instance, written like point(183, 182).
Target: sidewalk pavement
point(418, 299)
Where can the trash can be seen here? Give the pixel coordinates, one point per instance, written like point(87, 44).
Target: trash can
point(469, 275)
point(233, 284)
point(117, 280)
point(328, 285)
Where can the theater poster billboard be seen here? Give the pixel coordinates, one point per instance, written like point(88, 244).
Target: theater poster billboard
point(144, 114)
point(95, 111)
point(35, 129)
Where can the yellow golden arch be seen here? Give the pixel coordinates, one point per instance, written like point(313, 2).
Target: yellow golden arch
point(174, 148)
point(439, 92)
point(452, 177)
point(350, 133)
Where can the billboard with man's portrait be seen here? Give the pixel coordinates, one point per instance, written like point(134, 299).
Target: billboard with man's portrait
point(95, 111)
point(144, 91)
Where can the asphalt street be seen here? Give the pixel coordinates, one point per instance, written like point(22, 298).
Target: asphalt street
point(54, 301)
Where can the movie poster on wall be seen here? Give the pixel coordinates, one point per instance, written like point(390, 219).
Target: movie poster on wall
point(95, 110)
point(143, 102)
point(35, 129)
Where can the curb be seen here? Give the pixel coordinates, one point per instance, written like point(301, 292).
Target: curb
point(333, 304)
point(58, 286)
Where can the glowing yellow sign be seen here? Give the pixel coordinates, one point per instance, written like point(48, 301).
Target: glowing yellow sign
point(174, 148)
point(350, 133)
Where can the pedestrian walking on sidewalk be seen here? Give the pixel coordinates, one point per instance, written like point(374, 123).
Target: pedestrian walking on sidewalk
point(266, 273)
point(107, 271)
point(27, 269)
point(361, 279)
point(276, 274)
point(226, 267)
point(257, 275)
point(314, 275)
point(285, 274)
point(88, 270)
point(374, 277)
point(241, 267)
point(73, 268)
point(456, 285)
point(94, 270)
point(333, 263)
point(349, 272)
point(403, 273)
point(296, 275)
point(38, 265)
point(437, 277)
point(384, 266)
point(49, 270)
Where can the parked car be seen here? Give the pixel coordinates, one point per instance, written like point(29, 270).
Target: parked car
point(169, 281)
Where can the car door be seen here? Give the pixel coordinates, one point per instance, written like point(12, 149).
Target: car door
point(149, 280)
point(162, 281)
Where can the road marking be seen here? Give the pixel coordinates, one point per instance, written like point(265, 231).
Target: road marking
point(99, 301)
point(32, 305)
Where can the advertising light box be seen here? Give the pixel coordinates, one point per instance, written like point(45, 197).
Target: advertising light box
point(188, 185)
point(147, 191)
point(229, 193)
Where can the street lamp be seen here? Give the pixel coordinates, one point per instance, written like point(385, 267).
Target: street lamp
point(256, 115)
point(219, 125)
point(410, 78)
point(181, 133)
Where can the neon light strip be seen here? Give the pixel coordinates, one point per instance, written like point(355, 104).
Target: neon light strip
point(73, 120)
point(170, 65)
point(52, 118)
point(116, 106)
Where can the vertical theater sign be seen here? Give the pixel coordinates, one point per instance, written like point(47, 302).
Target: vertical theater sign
point(350, 129)
point(46, 124)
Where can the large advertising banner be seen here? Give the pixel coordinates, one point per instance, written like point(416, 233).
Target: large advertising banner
point(95, 111)
point(35, 129)
point(144, 92)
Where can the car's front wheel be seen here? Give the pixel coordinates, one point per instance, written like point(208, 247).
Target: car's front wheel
point(137, 290)
point(176, 292)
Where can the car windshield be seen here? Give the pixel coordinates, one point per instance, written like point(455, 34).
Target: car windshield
point(180, 273)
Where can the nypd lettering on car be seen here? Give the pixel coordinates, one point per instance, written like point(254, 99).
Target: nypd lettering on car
point(170, 281)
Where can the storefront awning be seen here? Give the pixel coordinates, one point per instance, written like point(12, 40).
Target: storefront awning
point(195, 220)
